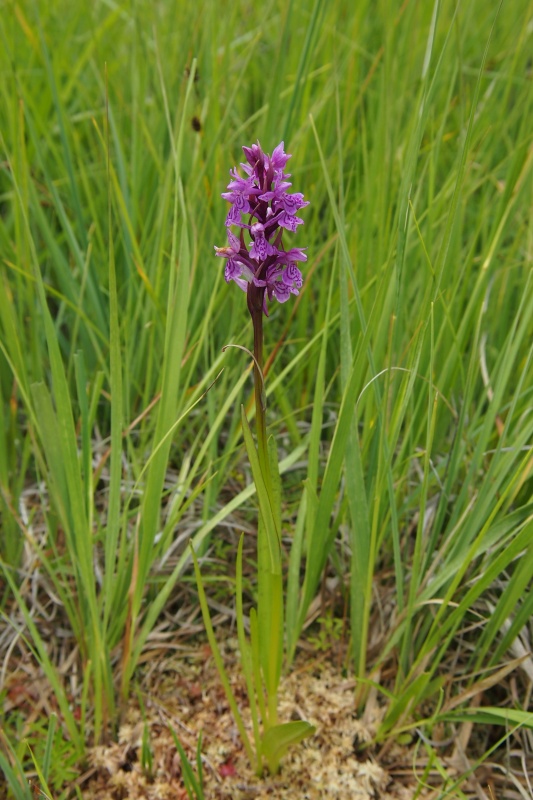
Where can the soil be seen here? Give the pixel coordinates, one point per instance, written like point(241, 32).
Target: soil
point(332, 763)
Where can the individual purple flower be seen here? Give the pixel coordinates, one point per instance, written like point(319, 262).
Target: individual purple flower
point(288, 256)
point(261, 248)
point(291, 203)
point(254, 154)
point(232, 250)
point(283, 277)
point(279, 156)
point(280, 291)
point(278, 193)
point(289, 221)
point(242, 275)
point(259, 264)
point(292, 277)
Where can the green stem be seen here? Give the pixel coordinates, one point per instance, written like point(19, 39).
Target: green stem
point(270, 604)
point(260, 398)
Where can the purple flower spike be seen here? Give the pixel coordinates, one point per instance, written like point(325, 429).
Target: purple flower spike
point(261, 266)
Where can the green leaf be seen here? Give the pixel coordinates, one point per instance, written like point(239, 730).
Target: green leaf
point(218, 659)
point(266, 503)
point(192, 784)
point(491, 715)
point(278, 739)
point(270, 596)
point(246, 656)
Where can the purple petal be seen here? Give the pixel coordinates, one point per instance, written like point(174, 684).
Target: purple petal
point(232, 270)
point(234, 241)
point(278, 193)
point(238, 273)
point(289, 221)
point(279, 157)
point(260, 249)
point(292, 202)
point(233, 217)
point(292, 277)
point(288, 256)
point(242, 203)
point(253, 153)
point(281, 292)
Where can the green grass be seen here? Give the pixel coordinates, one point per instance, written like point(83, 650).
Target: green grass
point(400, 383)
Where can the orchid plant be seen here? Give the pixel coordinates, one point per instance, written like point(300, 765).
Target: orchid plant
point(262, 210)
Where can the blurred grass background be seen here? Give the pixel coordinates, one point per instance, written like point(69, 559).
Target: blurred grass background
point(399, 383)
